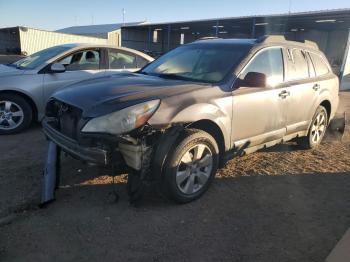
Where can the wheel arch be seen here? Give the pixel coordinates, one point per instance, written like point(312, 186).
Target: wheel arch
point(328, 106)
point(27, 98)
point(215, 131)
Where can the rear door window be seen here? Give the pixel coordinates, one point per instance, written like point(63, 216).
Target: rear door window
point(121, 60)
point(141, 62)
point(297, 65)
point(320, 65)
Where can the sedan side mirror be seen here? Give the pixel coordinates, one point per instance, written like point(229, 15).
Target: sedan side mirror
point(255, 79)
point(57, 68)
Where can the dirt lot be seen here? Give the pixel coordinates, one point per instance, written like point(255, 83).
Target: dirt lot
point(282, 204)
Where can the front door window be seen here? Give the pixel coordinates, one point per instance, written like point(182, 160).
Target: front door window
point(82, 60)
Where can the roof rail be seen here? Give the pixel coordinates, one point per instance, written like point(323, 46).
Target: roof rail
point(282, 38)
point(207, 38)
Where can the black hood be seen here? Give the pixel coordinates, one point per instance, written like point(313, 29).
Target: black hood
point(107, 94)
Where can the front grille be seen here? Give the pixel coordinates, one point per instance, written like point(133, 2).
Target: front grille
point(67, 117)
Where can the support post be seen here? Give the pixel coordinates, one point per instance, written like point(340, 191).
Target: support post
point(217, 29)
point(253, 28)
point(149, 38)
point(169, 31)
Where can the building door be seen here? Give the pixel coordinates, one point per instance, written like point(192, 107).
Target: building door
point(345, 70)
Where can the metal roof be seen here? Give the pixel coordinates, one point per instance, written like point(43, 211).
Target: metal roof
point(96, 29)
point(327, 12)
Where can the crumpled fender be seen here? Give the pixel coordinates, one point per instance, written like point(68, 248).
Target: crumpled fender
point(197, 112)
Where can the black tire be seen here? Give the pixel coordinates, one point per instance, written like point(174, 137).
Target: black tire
point(186, 141)
point(27, 113)
point(308, 142)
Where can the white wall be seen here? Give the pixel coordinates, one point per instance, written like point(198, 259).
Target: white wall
point(114, 38)
point(33, 40)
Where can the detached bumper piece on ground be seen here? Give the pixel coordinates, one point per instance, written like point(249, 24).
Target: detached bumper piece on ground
point(51, 178)
point(51, 174)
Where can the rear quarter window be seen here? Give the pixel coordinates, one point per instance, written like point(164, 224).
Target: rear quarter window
point(319, 64)
point(297, 65)
point(141, 62)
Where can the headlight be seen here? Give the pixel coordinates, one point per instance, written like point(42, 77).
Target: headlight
point(124, 120)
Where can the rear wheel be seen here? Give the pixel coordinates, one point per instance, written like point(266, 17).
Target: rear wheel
point(15, 114)
point(317, 129)
point(191, 167)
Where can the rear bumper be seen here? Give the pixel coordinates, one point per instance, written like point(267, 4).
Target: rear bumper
point(88, 154)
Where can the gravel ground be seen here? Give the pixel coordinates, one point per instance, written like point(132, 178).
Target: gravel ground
point(280, 204)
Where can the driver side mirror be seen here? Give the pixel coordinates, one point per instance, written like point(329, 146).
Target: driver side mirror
point(57, 68)
point(255, 79)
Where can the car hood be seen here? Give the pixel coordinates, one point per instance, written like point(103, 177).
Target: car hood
point(107, 94)
point(9, 71)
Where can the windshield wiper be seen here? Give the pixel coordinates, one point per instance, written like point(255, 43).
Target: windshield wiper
point(14, 65)
point(175, 76)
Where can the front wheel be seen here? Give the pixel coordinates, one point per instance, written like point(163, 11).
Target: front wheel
point(15, 114)
point(317, 129)
point(191, 166)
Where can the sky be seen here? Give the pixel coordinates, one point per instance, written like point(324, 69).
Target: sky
point(52, 15)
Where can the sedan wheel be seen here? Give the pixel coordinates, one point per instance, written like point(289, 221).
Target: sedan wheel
point(16, 114)
point(11, 115)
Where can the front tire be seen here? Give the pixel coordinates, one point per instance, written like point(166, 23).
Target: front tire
point(317, 129)
point(191, 166)
point(16, 114)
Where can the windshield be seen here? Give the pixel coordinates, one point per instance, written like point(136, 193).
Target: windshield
point(204, 63)
point(40, 57)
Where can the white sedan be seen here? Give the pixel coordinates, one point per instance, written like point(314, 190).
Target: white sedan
point(26, 84)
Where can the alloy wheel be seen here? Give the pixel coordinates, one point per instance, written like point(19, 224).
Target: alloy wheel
point(318, 127)
point(11, 115)
point(194, 169)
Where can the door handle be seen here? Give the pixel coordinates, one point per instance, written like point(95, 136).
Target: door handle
point(284, 94)
point(316, 87)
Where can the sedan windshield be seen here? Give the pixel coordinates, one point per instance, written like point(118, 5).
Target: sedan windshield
point(40, 57)
point(198, 62)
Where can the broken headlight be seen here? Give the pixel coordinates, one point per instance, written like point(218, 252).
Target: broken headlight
point(124, 120)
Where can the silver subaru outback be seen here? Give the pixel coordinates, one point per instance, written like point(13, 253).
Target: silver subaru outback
point(182, 116)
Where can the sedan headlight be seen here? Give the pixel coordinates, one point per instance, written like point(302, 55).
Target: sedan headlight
point(124, 120)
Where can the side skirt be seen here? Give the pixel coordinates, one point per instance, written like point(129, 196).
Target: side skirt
point(245, 149)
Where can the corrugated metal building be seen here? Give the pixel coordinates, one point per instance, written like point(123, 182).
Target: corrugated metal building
point(24, 40)
point(329, 29)
point(111, 32)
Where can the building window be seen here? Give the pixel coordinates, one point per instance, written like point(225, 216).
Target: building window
point(182, 38)
point(155, 36)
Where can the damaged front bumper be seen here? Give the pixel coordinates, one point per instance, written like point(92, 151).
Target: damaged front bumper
point(122, 152)
point(88, 154)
